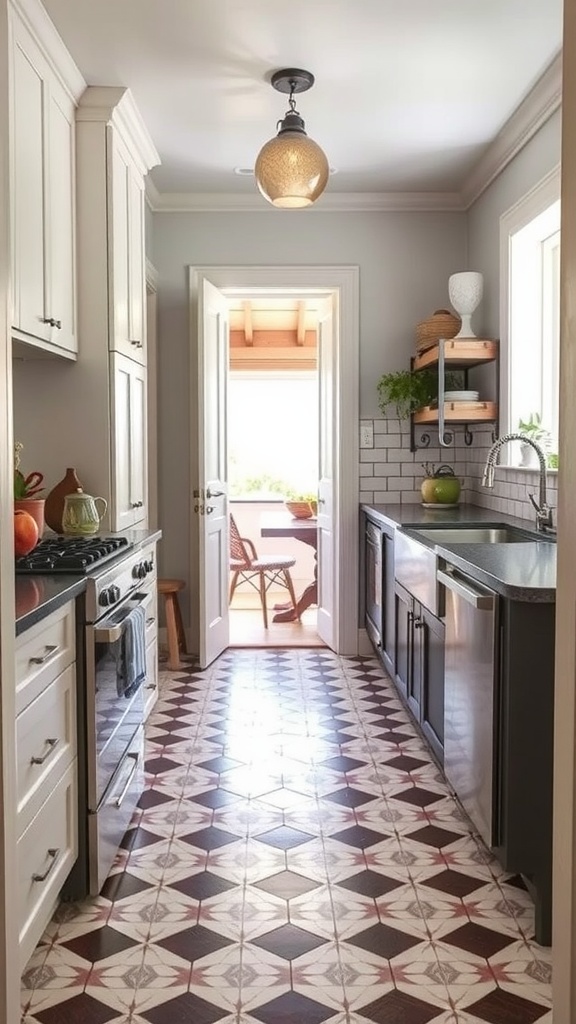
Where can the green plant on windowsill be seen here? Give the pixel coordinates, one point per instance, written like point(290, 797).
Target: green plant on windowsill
point(532, 428)
point(407, 390)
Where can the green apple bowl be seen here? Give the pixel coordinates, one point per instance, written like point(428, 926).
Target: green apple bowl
point(443, 489)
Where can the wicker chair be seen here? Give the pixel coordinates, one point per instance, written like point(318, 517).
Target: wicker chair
point(245, 565)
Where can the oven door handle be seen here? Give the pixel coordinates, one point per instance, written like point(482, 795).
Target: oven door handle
point(136, 758)
point(107, 634)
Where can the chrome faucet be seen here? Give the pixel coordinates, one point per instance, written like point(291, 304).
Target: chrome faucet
point(544, 521)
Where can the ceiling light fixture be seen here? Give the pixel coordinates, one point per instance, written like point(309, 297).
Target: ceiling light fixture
point(291, 170)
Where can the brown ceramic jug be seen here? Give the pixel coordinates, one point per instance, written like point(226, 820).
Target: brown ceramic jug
point(54, 506)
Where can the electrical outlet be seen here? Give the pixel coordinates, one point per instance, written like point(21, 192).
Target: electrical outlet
point(367, 434)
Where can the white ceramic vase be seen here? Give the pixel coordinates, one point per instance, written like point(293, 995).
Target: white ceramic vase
point(465, 291)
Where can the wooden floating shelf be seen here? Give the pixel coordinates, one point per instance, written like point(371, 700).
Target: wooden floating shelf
point(462, 352)
point(459, 412)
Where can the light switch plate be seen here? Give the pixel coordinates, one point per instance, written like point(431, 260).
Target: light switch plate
point(367, 434)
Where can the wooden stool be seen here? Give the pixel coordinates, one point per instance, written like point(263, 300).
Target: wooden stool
point(174, 625)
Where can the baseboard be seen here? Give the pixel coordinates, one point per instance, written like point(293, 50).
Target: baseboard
point(365, 648)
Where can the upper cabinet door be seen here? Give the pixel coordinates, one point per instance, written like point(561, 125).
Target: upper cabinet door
point(127, 293)
point(43, 209)
point(61, 268)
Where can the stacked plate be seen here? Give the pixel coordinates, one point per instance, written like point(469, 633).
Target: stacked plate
point(461, 396)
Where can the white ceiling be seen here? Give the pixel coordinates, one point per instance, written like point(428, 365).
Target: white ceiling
point(408, 93)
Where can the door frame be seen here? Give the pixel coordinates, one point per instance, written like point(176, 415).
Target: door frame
point(343, 282)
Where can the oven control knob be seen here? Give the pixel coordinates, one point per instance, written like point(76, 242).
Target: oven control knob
point(104, 598)
point(142, 570)
point(149, 565)
point(115, 593)
point(136, 572)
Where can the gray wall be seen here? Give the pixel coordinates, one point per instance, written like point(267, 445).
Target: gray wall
point(533, 163)
point(405, 260)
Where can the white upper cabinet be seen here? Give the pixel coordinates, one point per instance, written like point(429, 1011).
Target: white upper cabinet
point(127, 281)
point(43, 197)
point(129, 456)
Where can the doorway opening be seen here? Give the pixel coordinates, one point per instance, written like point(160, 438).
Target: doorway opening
point(273, 462)
point(337, 291)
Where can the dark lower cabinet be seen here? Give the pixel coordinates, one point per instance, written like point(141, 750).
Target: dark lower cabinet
point(419, 665)
point(378, 589)
point(431, 635)
point(523, 769)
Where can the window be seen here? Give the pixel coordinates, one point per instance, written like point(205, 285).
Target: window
point(530, 268)
point(272, 434)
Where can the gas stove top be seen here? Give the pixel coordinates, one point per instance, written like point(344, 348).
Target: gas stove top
point(72, 555)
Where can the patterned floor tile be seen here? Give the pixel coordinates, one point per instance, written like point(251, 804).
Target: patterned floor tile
point(296, 855)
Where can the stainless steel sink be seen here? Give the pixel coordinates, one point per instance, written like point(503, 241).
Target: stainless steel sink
point(475, 535)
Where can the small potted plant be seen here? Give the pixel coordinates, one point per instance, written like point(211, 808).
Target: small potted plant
point(407, 390)
point(27, 489)
point(532, 428)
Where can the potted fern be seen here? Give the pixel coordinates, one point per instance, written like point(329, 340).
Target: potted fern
point(407, 390)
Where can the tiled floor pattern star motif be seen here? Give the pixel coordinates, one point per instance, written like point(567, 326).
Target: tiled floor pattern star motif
point(296, 858)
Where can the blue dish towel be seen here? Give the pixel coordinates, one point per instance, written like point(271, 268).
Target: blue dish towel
point(132, 663)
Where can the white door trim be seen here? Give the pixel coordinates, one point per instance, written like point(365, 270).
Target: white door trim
point(344, 282)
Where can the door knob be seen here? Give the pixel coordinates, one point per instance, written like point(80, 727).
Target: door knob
point(209, 509)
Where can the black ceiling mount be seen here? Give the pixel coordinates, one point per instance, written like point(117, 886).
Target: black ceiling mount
point(292, 80)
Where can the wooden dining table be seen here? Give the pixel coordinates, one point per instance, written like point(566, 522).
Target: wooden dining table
point(283, 524)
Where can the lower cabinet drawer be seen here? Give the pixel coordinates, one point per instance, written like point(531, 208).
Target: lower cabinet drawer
point(43, 652)
point(45, 744)
point(46, 852)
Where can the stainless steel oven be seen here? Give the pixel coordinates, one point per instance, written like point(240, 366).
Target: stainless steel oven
point(115, 743)
point(110, 718)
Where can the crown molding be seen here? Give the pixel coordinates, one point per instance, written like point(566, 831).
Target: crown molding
point(353, 202)
point(35, 19)
point(115, 105)
point(537, 107)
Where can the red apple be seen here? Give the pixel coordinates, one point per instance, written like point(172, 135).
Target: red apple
point(25, 533)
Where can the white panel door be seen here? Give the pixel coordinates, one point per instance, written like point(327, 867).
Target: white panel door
point(119, 274)
point(136, 272)
point(61, 221)
point(327, 399)
point(28, 183)
point(211, 497)
point(129, 448)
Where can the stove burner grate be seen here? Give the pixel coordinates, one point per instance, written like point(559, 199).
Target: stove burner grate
point(70, 554)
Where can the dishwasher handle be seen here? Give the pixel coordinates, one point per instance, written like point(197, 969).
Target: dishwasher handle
point(477, 598)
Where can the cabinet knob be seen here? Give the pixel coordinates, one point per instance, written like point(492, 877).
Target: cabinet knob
point(137, 344)
point(418, 623)
point(136, 504)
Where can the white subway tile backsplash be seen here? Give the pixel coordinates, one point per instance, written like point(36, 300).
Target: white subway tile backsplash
point(390, 472)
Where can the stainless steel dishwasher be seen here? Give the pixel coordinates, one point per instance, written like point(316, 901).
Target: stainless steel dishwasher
point(470, 682)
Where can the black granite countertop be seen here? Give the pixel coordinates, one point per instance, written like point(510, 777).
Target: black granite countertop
point(521, 571)
point(39, 596)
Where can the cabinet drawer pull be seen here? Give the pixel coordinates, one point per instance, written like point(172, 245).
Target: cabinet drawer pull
point(52, 744)
point(50, 652)
point(137, 344)
point(136, 504)
point(418, 623)
point(53, 323)
point(54, 854)
point(134, 769)
point(150, 622)
point(151, 686)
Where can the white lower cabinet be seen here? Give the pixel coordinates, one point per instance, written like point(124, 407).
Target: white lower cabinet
point(46, 852)
point(129, 470)
point(46, 770)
